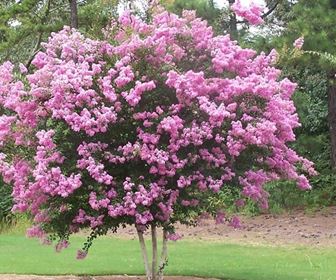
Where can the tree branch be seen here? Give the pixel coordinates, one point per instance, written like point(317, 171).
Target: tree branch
point(35, 50)
point(270, 10)
point(39, 38)
point(58, 7)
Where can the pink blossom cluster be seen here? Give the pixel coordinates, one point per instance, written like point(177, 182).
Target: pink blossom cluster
point(144, 129)
point(252, 12)
point(298, 43)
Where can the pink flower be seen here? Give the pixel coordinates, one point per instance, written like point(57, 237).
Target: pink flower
point(298, 43)
point(23, 68)
point(174, 236)
point(252, 12)
point(62, 244)
point(35, 231)
point(235, 222)
point(220, 217)
point(81, 254)
point(240, 202)
point(46, 241)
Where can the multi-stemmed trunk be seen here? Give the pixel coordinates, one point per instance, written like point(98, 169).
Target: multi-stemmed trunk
point(154, 269)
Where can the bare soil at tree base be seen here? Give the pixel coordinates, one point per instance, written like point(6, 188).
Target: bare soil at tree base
point(317, 228)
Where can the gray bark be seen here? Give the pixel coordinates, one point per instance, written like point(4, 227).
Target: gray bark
point(73, 14)
point(332, 120)
point(164, 254)
point(233, 29)
point(144, 254)
point(154, 253)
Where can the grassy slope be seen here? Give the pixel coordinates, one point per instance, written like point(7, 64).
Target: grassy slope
point(214, 259)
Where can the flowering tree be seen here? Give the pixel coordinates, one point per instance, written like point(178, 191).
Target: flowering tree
point(143, 130)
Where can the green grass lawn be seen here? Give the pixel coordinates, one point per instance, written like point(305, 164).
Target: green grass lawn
point(108, 255)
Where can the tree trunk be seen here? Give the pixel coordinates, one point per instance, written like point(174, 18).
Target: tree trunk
point(154, 253)
point(154, 269)
point(73, 14)
point(233, 30)
point(332, 120)
point(164, 254)
point(144, 254)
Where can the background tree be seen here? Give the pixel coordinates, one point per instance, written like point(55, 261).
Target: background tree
point(25, 24)
point(314, 75)
point(73, 14)
point(223, 20)
point(204, 8)
point(315, 20)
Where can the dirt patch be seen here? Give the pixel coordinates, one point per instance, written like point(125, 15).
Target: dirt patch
point(121, 277)
point(318, 229)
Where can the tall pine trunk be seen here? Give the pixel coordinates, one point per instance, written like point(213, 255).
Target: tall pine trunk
point(233, 29)
point(73, 14)
point(332, 119)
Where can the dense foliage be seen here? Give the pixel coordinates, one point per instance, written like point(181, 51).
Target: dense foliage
point(5, 203)
point(316, 78)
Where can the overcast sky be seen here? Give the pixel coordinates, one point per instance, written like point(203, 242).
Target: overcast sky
point(222, 3)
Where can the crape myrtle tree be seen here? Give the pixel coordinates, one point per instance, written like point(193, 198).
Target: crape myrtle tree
point(143, 129)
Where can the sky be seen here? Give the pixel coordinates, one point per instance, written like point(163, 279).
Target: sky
point(219, 3)
point(222, 3)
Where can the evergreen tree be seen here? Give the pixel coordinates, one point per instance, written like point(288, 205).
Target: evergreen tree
point(25, 24)
point(316, 21)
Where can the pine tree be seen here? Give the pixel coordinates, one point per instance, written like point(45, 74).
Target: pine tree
point(25, 24)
